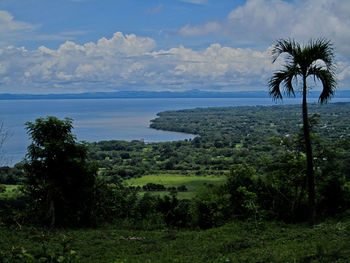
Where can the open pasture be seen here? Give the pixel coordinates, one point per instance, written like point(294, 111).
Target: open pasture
point(192, 183)
point(11, 191)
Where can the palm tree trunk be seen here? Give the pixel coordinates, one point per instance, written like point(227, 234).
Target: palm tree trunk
point(309, 160)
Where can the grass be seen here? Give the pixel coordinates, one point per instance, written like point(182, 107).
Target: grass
point(192, 183)
point(11, 191)
point(234, 242)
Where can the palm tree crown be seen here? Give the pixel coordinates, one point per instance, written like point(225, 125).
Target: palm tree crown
point(314, 59)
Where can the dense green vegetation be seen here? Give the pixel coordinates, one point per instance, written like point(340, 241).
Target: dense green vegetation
point(226, 136)
point(234, 242)
point(243, 171)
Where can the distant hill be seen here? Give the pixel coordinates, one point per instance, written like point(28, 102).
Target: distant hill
point(152, 94)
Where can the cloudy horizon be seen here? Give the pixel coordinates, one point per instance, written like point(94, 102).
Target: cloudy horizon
point(74, 46)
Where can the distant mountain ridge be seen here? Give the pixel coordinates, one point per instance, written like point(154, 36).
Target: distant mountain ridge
point(153, 94)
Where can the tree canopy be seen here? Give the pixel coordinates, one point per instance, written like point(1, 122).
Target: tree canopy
point(59, 178)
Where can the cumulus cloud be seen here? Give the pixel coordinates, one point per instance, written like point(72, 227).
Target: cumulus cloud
point(229, 66)
point(128, 61)
point(124, 61)
point(263, 21)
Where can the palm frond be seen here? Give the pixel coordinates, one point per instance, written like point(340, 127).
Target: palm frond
point(288, 46)
point(292, 71)
point(320, 49)
point(286, 77)
point(274, 85)
point(328, 82)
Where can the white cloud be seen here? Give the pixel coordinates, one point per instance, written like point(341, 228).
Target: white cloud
point(263, 21)
point(12, 30)
point(260, 19)
point(128, 61)
point(343, 71)
point(7, 23)
point(228, 65)
point(208, 28)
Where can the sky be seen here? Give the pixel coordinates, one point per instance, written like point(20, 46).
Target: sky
point(73, 46)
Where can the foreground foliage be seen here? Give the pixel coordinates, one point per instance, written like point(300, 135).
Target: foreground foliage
point(264, 166)
point(235, 242)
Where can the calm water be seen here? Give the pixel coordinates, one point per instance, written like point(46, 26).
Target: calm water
point(106, 119)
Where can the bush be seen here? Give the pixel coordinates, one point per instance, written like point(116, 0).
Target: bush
point(153, 187)
point(112, 202)
point(211, 207)
point(182, 188)
point(175, 212)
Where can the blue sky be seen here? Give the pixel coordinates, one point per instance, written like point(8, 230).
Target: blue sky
point(71, 46)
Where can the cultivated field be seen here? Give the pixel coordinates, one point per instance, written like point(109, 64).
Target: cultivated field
point(192, 183)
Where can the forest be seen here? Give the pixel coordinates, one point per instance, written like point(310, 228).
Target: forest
point(238, 188)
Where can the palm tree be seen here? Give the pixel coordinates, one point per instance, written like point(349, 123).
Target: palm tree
point(314, 59)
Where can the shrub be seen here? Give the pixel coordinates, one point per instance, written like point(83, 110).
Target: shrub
point(112, 201)
point(211, 207)
point(175, 212)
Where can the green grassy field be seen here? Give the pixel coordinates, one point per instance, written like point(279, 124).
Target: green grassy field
point(234, 242)
point(11, 191)
point(192, 183)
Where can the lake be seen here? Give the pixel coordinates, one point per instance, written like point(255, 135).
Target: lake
point(107, 119)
